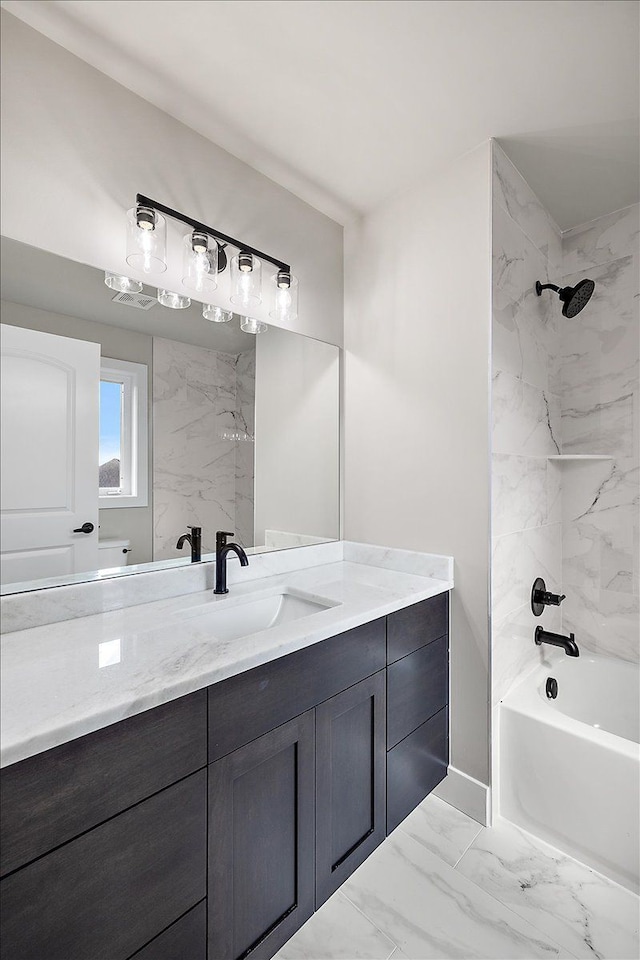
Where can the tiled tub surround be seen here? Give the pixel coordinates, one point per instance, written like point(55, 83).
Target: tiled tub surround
point(526, 427)
point(201, 398)
point(600, 396)
point(562, 386)
point(61, 680)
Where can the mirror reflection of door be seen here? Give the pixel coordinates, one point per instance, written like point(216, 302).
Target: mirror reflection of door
point(49, 423)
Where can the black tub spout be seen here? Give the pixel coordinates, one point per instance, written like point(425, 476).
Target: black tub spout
point(568, 644)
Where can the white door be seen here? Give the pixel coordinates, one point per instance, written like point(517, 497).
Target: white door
point(49, 431)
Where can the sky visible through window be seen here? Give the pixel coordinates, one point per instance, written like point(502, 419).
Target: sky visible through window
point(110, 421)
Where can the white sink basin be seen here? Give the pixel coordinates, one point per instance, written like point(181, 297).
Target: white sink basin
point(232, 619)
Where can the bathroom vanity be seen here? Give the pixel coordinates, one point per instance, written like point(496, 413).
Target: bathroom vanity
point(215, 823)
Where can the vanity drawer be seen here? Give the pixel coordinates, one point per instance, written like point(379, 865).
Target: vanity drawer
point(54, 796)
point(246, 706)
point(109, 892)
point(417, 687)
point(417, 625)
point(184, 940)
point(415, 766)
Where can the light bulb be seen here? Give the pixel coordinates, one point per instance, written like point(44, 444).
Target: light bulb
point(285, 300)
point(216, 314)
point(146, 240)
point(200, 268)
point(246, 280)
point(251, 325)
point(175, 301)
point(121, 283)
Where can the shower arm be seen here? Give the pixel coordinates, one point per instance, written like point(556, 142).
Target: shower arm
point(546, 286)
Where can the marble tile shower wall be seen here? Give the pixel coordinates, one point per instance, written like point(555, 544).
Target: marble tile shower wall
point(198, 396)
point(600, 391)
point(526, 428)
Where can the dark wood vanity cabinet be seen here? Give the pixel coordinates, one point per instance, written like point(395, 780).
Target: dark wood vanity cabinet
point(213, 826)
point(350, 781)
point(261, 841)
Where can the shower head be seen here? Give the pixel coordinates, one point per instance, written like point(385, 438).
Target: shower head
point(574, 299)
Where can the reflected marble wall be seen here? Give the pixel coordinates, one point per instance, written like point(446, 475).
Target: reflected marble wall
point(526, 426)
point(600, 391)
point(201, 398)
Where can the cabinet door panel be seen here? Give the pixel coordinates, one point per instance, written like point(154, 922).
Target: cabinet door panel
point(417, 625)
point(57, 795)
point(417, 687)
point(350, 781)
point(261, 842)
point(244, 707)
point(105, 894)
point(186, 939)
point(415, 766)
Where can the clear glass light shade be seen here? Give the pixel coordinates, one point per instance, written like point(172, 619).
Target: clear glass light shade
point(249, 325)
point(246, 280)
point(216, 314)
point(146, 241)
point(116, 281)
point(175, 301)
point(285, 297)
point(200, 263)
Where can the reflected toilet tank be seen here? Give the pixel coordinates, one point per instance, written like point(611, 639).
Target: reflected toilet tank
point(113, 553)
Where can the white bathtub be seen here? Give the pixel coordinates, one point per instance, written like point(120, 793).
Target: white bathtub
point(570, 767)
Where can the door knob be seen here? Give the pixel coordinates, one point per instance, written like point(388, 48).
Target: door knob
point(85, 528)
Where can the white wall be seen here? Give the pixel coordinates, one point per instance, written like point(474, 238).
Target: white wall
point(77, 147)
point(296, 449)
point(417, 342)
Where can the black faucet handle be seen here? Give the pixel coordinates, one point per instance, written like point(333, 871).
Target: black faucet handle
point(196, 530)
point(221, 538)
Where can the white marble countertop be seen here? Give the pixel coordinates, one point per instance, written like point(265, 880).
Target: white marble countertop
point(66, 679)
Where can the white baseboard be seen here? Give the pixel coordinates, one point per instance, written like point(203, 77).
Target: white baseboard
point(466, 794)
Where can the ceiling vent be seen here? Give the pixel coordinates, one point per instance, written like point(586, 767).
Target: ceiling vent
point(140, 301)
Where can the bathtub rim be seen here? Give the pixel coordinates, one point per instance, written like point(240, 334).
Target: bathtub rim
point(526, 699)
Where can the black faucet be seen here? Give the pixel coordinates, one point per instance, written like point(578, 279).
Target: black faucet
point(223, 549)
point(194, 539)
point(557, 640)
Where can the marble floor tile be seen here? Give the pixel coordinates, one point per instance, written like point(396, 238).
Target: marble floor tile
point(441, 828)
point(338, 931)
point(431, 910)
point(585, 913)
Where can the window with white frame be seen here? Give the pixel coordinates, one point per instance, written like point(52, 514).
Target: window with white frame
point(123, 434)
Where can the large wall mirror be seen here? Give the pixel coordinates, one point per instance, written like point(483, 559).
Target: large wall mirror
point(133, 422)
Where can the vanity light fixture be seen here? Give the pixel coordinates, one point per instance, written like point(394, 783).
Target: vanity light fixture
point(200, 269)
point(204, 259)
point(122, 284)
point(216, 314)
point(146, 239)
point(285, 306)
point(246, 280)
point(175, 301)
point(250, 325)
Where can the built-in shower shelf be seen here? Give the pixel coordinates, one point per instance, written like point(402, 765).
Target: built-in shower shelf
point(579, 456)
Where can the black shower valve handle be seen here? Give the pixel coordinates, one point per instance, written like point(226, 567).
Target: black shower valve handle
point(541, 597)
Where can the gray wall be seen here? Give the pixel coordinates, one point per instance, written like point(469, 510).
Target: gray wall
point(132, 523)
point(417, 342)
point(77, 147)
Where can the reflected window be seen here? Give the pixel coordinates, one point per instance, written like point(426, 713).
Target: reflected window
point(122, 464)
point(111, 411)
